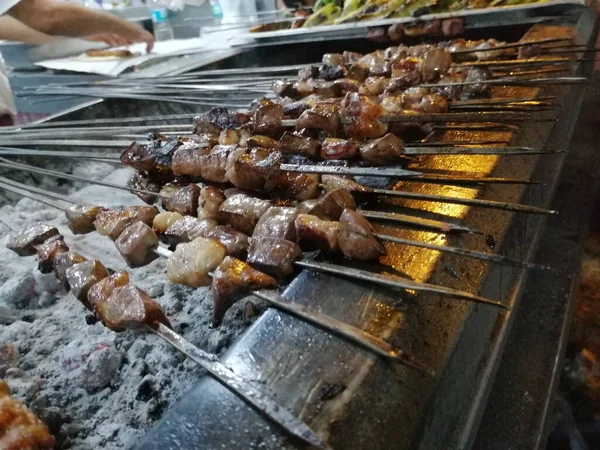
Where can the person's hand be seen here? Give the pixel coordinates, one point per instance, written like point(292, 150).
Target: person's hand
point(110, 39)
point(128, 36)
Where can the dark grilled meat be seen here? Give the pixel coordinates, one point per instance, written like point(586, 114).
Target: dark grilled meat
point(235, 242)
point(262, 141)
point(364, 117)
point(62, 261)
point(313, 208)
point(336, 201)
point(317, 234)
point(140, 180)
point(347, 85)
point(284, 88)
point(111, 223)
point(335, 148)
point(47, 252)
point(242, 212)
point(358, 72)
point(333, 59)
point(209, 203)
point(25, 241)
point(82, 276)
point(185, 200)
point(274, 256)
point(308, 73)
point(136, 244)
point(290, 185)
point(320, 117)
point(293, 110)
point(295, 144)
point(477, 74)
point(331, 72)
point(267, 119)
point(229, 137)
point(140, 156)
point(251, 170)
point(277, 222)
point(373, 86)
point(327, 89)
point(218, 119)
point(385, 150)
point(81, 218)
point(187, 229)
point(356, 238)
point(232, 279)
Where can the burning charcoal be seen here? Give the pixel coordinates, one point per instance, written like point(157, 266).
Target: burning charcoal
point(24, 242)
point(47, 252)
point(209, 203)
point(284, 88)
point(100, 291)
point(191, 262)
point(298, 186)
point(277, 222)
point(335, 148)
point(267, 119)
point(111, 223)
point(292, 143)
point(163, 221)
point(140, 180)
point(130, 307)
point(232, 279)
point(242, 212)
point(335, 202)
point(187, 229)
point(82, 276)
point(62, 261)
point(320, 117)
point(235, 242)
point(185, 200)
point(385, 150)
point(293, 110)
point(356, 239)
point(81, 218)
point(136, 244)
point(274, 256)
point(317, 234)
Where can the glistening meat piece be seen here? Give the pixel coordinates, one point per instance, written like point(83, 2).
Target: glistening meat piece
point(140, 156)
point(251, 170)
point(100, 291)
point(187, 229)
point(356, 238)
point(163, 221)
point(266, 119)
point(242, 212)
point(335, 148)
point(322, 117)
point(136, 244)
point(277, 222)
point(184, 200)
point(81, 218)
point(24, 242)
point(229, 137)
point(295, 144)
point(326, 89)
point(274, 256)
point(475, 75)
point(435, 62)
point(209, 203)
point(62, 261)
point(333, 182)
point(235, 242)
point(291, 185)
point(232, 279)
point(47, 252)
point(20, 429)
point(111, 223)
point(218, 119)
point(191, 262)
point(284, 88)
point(364, 117)
point(373, 86)
point(313, 207)
point(265, 142)
point(140, 180)
point(335, 202)
point(187, 160)
point(82, 276)
point(347, 85)
point(316, 234)
point(333, 59)
point(385, 150)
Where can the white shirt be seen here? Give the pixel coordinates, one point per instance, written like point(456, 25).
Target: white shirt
point(7, 103)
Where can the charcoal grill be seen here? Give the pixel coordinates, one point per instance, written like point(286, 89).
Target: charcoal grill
point(347, 395)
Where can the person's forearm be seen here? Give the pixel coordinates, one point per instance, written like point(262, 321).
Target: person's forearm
point(13, 30)
point(66, 19)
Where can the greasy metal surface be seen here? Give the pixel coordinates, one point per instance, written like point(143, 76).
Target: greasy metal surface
point(350, 397)
point(531, 365)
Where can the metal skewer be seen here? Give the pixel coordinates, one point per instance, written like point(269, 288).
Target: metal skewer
point(511, 45)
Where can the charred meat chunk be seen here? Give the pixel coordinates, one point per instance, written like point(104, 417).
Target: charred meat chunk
point(267, 119)
point(24, 242)
point(136, 244)
point(274, 256)
point(242, 212)
point(356, 238)
point(400, 83)
point(187, 229)
point(295, 144)
point(364, 117)
point(385, 150)
point(234, 278)
point(317, 234)
point(475, 75)
point(331, 73)
point(162, 221)
point(308, 73)
point(277, 222)
point(185, 200)
point(81, 218)
point(259, 102)
point(62, 261)
point(140, 156)
point(320, 117)
point(144, 182)
point(235, 241)
point(217, 119)
point(82, 276)
point(111, 223)
point(191, 262)
point(335, 148)
point(47, 252)
point(209, 203)
point(293, 110)
point(290, 185)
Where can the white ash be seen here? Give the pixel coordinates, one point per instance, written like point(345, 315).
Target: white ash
point(95, 388)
